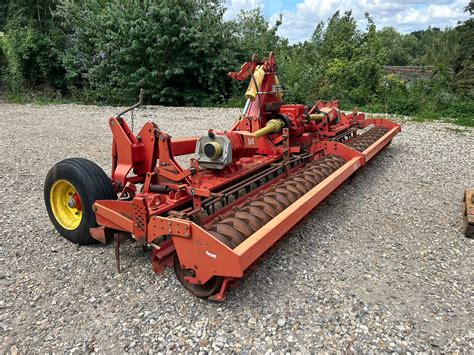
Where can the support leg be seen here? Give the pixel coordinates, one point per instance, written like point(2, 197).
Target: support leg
point(117, 251)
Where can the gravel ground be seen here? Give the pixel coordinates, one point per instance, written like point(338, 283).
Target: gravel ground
point(381, 264)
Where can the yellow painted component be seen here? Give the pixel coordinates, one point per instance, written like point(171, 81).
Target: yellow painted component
point(273, 126)
point(255, 83)
point(217, 150)
point(60, 195)
point(331, 112)
point(316, 117)
point(279, 95)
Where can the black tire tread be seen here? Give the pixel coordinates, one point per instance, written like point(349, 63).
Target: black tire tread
point(93, 182)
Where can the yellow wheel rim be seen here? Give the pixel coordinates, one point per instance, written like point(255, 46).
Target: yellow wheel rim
point(66, 204)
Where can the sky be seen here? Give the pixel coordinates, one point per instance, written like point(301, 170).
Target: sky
point(300, 17)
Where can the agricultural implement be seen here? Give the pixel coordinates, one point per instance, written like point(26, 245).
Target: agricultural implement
point(244, 189)
point(468, 205)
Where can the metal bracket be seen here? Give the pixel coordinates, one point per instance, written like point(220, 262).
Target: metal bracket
point(286, 152)
point(160, 226)
point(139, 219)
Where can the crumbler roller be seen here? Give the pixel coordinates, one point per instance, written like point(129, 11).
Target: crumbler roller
point(243, 190)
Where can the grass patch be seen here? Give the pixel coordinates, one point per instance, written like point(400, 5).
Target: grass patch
point(458, 130)
point(40, 99)
point(467, 122)
point(460, 121)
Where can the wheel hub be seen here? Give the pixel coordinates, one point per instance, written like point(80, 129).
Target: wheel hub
point(71, 202)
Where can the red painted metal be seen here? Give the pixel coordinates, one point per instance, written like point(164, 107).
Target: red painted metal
point(162, 256)
point(166, 210)
point(183, 146)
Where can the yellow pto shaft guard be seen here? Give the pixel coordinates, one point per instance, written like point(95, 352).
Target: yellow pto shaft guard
point(273, 126)
point(255, 83)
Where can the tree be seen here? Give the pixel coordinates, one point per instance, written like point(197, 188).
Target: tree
point(470, 7)
point(177, 50)
point(393, 44)
point(339, 39)
point(254, 35)
point(32, 46)
point(350, 62)
point(463, 61)
point(3, 15)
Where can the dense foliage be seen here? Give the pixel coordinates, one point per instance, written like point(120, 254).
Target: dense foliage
point(179, 51)
point(32, 46)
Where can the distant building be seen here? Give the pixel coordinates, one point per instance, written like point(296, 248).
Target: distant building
point(410, 73)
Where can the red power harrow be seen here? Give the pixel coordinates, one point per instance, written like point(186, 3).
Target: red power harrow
point(245, 188)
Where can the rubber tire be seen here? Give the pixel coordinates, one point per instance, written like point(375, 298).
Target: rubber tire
point(91, 184)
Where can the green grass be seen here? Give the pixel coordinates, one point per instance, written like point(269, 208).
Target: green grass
point(458, 130)
point(467, 122)
point(35, 98)
point(463, 119)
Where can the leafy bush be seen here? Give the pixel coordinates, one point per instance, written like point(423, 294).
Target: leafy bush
point(32, 45)
point(298, 71)
point(394, 96)
point(252, 34)
point(3, 60)
point(176, 50)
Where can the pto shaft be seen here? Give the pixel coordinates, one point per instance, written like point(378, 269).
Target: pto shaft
point(273, 126)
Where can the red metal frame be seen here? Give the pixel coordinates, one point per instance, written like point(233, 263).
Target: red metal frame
point(166, 211)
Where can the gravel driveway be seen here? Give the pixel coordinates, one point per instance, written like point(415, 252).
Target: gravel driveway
point(381, 264)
